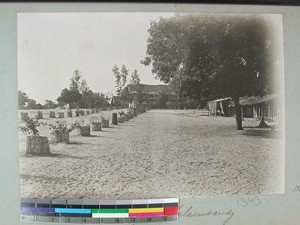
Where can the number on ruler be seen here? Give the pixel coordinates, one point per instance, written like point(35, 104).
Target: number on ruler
point(132, 220)
point(149, 219)
point(117, 220)
point(51, 219)
point(84, 220)
point(67, 220)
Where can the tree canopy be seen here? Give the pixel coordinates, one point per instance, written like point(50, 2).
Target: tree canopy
point(80, 95)
point(212, 56)
point(23, 99)
point(135, 78)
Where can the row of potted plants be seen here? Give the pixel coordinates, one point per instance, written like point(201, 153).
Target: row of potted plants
point(36, 144)
point(25, 116)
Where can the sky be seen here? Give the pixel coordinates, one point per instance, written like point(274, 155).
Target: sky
point(52, 45)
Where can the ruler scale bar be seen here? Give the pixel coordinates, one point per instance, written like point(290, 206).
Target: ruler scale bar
point(99, 211)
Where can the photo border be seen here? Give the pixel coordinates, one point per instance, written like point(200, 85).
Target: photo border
point(262, 209)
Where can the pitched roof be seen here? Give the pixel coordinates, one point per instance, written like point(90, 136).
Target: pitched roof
point(253, 100)
point(150, 89)
point(220, 100)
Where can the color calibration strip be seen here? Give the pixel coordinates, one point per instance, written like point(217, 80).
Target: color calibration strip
point(99, 211)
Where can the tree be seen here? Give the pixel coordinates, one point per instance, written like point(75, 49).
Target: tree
point(75, 81)
point(78, 88)
point(162, 100)
point(124, 74)
point(117, 74)
point(23, 99)
point(101, 100)
point(210, 56)
point(135, 78)
point(39, 106)
point(31, 104)
point(69, 97)
point(83, 86)
point(49, 104)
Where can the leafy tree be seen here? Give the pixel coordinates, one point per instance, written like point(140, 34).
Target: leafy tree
point(23, 99)
point(210, 56)
point(31, 104)
point(101, 100)
point(135, 78)
point(87, 100)
point(78, 88)
point(83, 86)
point(69, 97)
point(39, 106)
point(118, 83)
point(75, 81)
point(49, 104)
point(124, 74)
point(162, 100)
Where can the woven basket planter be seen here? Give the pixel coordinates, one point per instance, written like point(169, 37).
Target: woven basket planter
point(37, 145)
point(84, 130)
point(96, 126)
point(62, 137)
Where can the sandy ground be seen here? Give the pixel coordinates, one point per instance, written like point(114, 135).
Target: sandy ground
point(161, 153)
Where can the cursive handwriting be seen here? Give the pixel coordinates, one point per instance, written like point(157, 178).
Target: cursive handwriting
point(186, 211)
point(297, 188)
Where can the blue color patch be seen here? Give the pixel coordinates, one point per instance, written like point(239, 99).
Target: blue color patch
point(68, 210)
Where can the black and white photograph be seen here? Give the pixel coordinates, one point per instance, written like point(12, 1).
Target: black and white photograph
point(131, 105)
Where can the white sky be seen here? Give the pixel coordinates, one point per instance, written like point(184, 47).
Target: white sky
point(52, 45)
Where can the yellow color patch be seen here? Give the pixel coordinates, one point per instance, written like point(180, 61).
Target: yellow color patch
point(146, 210)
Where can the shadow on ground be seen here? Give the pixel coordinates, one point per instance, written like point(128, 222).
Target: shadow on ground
point(263, 133)
point(52, 155)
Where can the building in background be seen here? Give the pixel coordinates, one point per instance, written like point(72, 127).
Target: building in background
point(221, 107)
point(258, 107)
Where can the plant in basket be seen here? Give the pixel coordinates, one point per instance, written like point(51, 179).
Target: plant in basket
point(60, 130)
point(96, 124)
point(35, 144)
point(82, 128)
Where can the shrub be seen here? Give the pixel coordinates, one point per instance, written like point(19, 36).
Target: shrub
point(77, 124)
point(30, 127)
point(61, 126)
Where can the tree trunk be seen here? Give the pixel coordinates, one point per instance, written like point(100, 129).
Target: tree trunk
point(115, 119)
point(238, 113)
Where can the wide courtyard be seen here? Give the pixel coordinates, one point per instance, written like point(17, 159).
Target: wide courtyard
point(161, 153)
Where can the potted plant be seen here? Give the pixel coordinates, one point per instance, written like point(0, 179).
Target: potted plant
point(82, 129)
point(24, 116)
point(60, 131)
point(104, 122)
point(96, 124)
point(35, 144)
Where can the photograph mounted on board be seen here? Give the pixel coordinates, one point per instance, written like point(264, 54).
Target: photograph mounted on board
point(150, 105)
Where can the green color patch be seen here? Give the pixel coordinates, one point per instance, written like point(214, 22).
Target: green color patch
point(109, 210)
